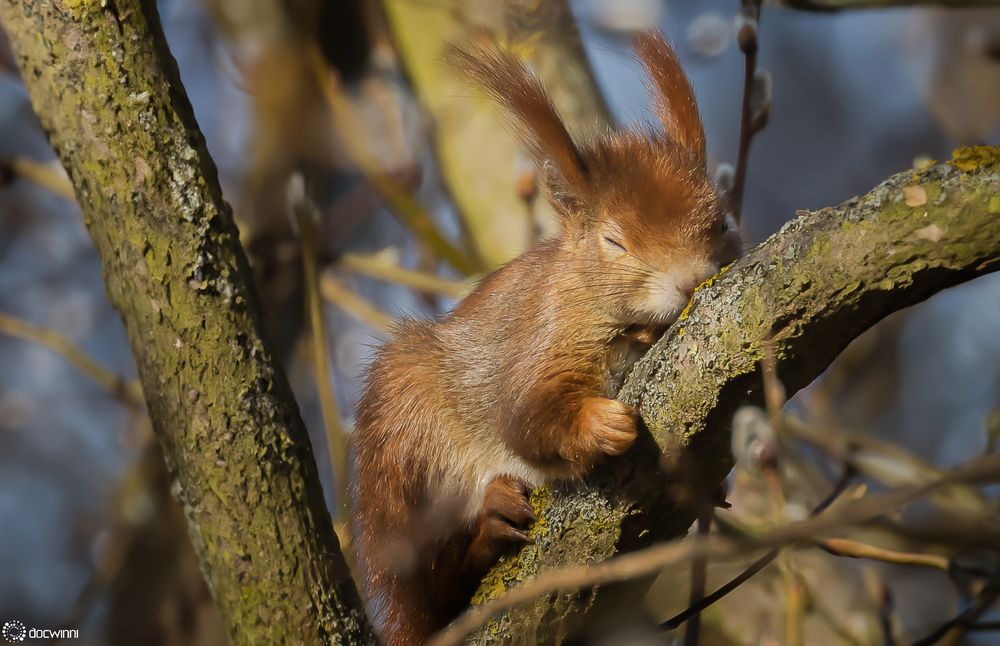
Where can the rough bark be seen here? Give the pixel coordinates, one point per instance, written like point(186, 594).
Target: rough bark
point(483, 186)
point(808, 291)
point(107, 91)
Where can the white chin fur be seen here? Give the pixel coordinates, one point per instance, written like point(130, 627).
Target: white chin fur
point(664, 300)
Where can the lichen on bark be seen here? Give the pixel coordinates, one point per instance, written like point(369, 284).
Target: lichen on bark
point(108, 93)
point(805, 293)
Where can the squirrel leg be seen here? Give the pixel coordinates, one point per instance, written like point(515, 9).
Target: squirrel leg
point(460, 564)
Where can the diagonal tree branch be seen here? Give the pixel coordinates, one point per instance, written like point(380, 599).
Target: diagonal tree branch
point(808, 291)
point(108, 93)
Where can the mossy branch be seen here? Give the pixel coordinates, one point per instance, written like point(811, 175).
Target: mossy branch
point(108, 93)
point(806, 292)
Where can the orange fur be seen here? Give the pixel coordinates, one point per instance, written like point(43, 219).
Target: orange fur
point(672, 95)
point(515, 386)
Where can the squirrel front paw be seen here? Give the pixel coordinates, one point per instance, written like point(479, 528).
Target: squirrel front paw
point(604, 427)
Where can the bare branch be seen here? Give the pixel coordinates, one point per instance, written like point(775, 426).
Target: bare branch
point(857, 550)
point(386, 267)
point(753, 117)
point(354, 304)
point(130, 392)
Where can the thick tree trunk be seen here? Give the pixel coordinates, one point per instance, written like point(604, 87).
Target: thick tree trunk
point(107, 91)
point(809, 290)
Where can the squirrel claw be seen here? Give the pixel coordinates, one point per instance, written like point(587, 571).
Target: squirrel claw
point(506, 499)
point(499, 529)
point(506, 510)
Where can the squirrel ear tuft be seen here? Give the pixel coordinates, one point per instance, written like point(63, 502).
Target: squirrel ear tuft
point(566, 201)
point(672, 93)
point(507, 80)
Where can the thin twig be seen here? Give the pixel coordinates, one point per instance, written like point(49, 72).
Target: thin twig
point(732, 584)
point(793, 592)
point(44, 175)
point(748, 43)
point(885, 610)
point(129, 392)
point(699, 574)
point(774, 398)
point(354, 304)
point(886, 462)
point(795, 600)
point(855, 549)
point(756, 566)
point(377, 266)
point(335, 437)
point(950, 631)
point(774, 390)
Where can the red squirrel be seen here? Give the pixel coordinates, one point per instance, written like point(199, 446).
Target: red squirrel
point(461, 418)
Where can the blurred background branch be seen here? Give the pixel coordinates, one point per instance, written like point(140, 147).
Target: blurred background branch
point(385, 266)
point(129, 392)
point(46, 176)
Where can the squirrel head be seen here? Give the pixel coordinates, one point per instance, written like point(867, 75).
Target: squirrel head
point(641, 221)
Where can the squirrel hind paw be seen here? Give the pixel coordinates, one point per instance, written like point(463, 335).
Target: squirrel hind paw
point(508, 498)
point(502, 523)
